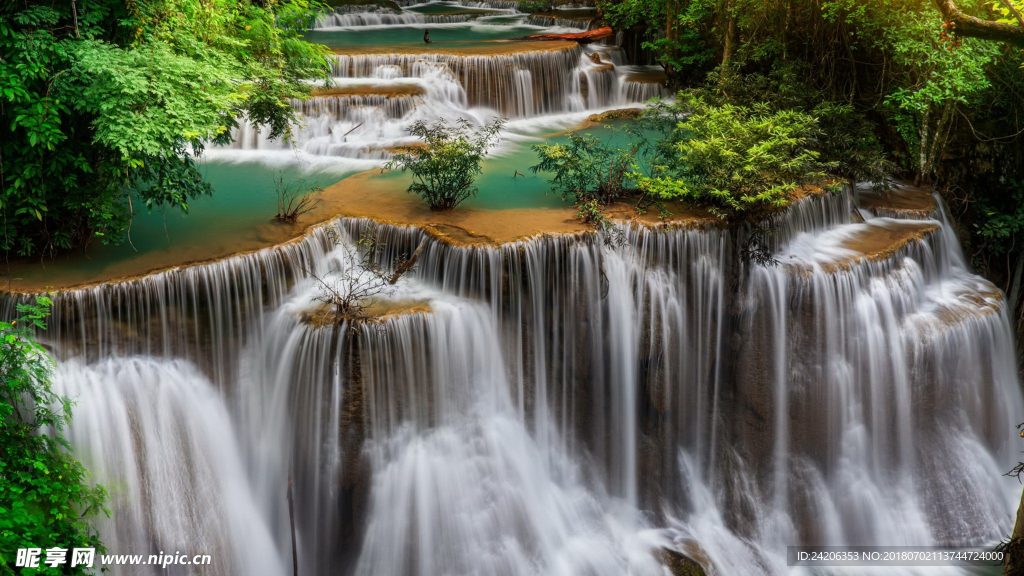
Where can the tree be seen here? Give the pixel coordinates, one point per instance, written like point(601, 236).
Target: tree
point(740, 163)
point(448, 160)
point(45, 501)
point(104, 104)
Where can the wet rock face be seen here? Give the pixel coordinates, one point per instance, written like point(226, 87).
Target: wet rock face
point(680, 565)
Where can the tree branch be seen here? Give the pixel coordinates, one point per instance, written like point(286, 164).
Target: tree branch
point(1013, 10)
point(978, 28)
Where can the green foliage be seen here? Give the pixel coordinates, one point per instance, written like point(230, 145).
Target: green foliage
point(535, 6)
point(587, 170)
point(848, 143)
point(103, 105)
point(687, 47)
point(1001, 220)
point(740, 163)
point(447, 163)
point(45, 500)
point(846, 138)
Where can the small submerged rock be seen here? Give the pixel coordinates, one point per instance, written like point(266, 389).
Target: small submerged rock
point(679, 564)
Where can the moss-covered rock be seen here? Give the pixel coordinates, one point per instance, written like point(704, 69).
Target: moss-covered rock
point(623, 114)
point(679, 564)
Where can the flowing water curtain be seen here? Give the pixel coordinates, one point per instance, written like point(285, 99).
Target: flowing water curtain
point(158, 436)
point(460, 486)
point(601, 374)
point(490, 81)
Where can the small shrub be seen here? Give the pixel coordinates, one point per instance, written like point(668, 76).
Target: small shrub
point(587, 169)
point(446, 165)
point(742, 164)
point(295, 198)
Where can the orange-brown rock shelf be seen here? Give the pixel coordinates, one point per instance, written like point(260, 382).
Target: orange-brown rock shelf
point(364, 195)
point(882, 241)
point(901, 198)
point(388, 90)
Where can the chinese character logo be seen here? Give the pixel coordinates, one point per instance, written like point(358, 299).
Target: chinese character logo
point(83, 557)
point(28, 557)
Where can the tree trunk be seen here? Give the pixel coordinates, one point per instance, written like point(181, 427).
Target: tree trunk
point(1014, 296)
point(671, 17)
point(731, 34)
point(939, 136)
point(1014, 558)
point(922, 158)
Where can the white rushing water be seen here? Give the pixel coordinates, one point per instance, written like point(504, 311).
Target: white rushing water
point(158, 436)
point(556, 406)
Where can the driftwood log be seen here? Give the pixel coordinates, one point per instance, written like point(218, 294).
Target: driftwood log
point(581, 37)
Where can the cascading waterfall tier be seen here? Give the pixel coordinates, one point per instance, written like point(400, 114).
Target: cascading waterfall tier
point(353, 108)
point(467, 79)
point(555, 20)
point(201, 313)
point(350, 19)
point(517, 84)
point(567, 403)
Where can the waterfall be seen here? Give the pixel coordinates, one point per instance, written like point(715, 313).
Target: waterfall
point(380, 90)
point(548, 21)
point(160, 438)
point(350, 19)
point(460, 486)
point(639, 83)
point(489, 81)
point(599, 83)
point(365, 125)
point(641, 91)
point(346, 19)
point(562, 404)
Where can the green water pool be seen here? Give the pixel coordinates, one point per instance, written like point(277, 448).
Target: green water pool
point(239, 215)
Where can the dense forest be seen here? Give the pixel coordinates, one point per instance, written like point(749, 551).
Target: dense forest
point(107, 103)
point(937, 86)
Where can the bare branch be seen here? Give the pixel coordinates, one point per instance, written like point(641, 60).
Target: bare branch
point(407, 264)
point(349, 291)
point(295, 199)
